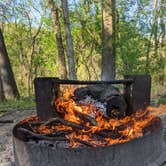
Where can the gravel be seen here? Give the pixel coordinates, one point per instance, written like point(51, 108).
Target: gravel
point(6, 148)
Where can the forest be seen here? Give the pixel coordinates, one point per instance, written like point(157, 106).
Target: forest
point(80, 39)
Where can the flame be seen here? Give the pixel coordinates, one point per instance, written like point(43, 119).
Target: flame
point(105, 132)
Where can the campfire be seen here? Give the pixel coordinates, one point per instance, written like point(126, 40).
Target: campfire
point(95, 115)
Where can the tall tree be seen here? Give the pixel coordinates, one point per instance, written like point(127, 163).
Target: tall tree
point(7, 76)
point(69, 42)
point(108, 40)
point(58, 36)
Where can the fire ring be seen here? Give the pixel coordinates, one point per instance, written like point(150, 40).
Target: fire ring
point(113, 129)
point(138, 152)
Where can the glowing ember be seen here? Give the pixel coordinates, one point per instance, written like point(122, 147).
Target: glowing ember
point(97, 128)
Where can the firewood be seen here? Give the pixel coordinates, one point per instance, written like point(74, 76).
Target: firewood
point(124, 126)
point(59, 133)
point(108, 134)
point(64, 122)
point(27, 134)
point(86, 118)
point(130, 123)
point(82, 142)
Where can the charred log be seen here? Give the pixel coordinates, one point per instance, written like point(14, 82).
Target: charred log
point(86, 118)
point(115, 102)
point(64, 122)
point(98, 92)
point(114, 134)
point(116, 107)
point(59, 133)
point(30, 135)
point(82, 142)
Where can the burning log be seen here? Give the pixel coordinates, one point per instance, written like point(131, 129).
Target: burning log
point(113, 134)
point(82, 142)
point(59, 133)
point(105, 94)
point(116, 107)
point(86, 118)
point(64, 122)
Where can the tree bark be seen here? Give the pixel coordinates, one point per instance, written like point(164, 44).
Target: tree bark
point(108, 40)
point(69, 42)
point(162, 45)
point(58, 36)
point(2, 97)
point(7, 76)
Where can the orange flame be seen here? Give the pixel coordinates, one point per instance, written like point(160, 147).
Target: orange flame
point(106, 131)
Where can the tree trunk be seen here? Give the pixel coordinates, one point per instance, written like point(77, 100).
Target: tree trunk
point(108, 40)
point(69, 42)
point(7, 76)
point(162, 45)
point(2, 97)
point(58, 36)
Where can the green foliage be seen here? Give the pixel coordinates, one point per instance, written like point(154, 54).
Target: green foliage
point(162, 99)
point(22, 103)
point(134, 25)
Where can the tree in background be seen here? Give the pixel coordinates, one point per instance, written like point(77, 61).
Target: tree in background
point(69, 41)
point(2, 96)
point(108, 40)
point(8, 83)
point(58, 35)
point(140, 39)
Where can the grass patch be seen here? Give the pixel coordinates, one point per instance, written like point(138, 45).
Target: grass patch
point(22, 103)
point(162, 99)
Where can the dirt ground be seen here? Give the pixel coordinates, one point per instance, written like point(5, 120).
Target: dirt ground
point(6, 151)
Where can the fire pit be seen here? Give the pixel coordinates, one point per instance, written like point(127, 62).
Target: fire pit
point(91, 125)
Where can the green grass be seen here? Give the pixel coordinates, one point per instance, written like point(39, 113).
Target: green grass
point(162, 99)
point(22, 103)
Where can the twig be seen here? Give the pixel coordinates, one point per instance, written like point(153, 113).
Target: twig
point(82, 142)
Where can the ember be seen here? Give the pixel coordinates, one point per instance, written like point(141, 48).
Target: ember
point(82, 123)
